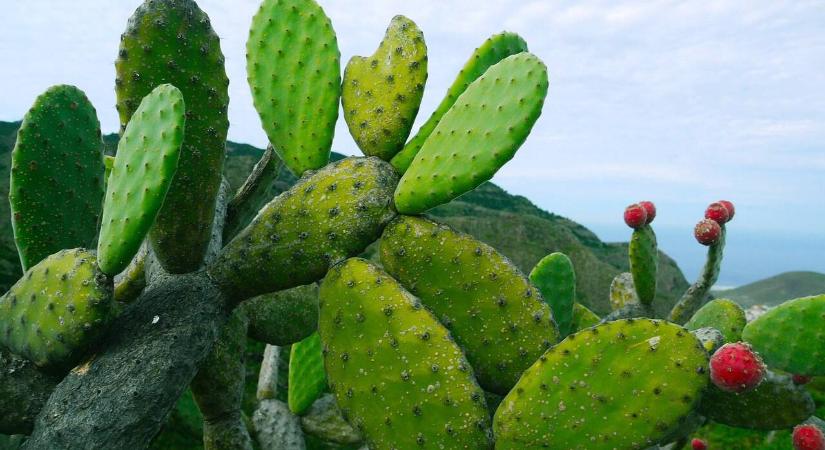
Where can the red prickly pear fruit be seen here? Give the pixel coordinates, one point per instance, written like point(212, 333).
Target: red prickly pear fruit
point(801, 379)
point(729, 207)
point(808, 437)
point(635, 216)
point(735, 367)
point(650, 209)
point(698, 444)
point(707, 232)
point(718, 212)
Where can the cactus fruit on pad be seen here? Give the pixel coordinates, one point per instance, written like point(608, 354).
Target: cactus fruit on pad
point(395, 372)
point(146, 161)
point(478, 135)
point(791, 337)
point(172, 41)
point(491, 309)
point(556, 280)
point(326, 217)
point(644, 261)
point(777, 403)
point(381, 93)
point(294, 71)
point(307, 379)
point(57, 310)
point(57, 173)
point(493, 50)
point(724, 315)
point(620, 385)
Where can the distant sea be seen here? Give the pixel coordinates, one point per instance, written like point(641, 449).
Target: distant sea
point(750, 255)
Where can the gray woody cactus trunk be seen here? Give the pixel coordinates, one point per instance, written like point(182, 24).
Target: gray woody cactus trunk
point(419, 353)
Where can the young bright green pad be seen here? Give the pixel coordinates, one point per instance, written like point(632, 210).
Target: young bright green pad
point(294, 70)
point(724, 315)
point(619, 385)
point(493, 50)
point(326, 217)
point(394, 370)
point(622, 291)
point(145, 165)
point(57, 310)
point(555, 278)
point(307, 379)
point(644, 262)
point(382, 93)
point(480, 133)
point(776, 404)
point(791, 337)
point(57, 172)
point(583, 318)
point(172, 41)
point(497, 317)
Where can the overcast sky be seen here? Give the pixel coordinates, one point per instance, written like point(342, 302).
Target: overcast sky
point(682, 103)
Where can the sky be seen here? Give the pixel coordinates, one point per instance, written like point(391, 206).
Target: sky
point(681, 103)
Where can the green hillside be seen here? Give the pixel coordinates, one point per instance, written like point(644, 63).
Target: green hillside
point(511, 224)
point(775, 290)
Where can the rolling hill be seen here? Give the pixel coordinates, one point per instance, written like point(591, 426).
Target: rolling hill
point(775, 290)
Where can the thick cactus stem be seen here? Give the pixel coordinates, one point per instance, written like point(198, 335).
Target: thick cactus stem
point(697, 293)
point(172, 41)
point(57, 170)
point(493, 50)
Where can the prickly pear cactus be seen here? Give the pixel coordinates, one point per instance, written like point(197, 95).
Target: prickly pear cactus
point(489, 306)
point(326, 217)
point(307, 379)
point(624, 384)
point(644, 261)
point(143, 170)
point(394, 370)
point(622, 291)
point(382, 92)
point(555, 278)
point(57, 310)
point(57, 174)
point(481, 131)
point(294, 71)
point(172, 41)
point(724, 315)
point(789, 337)
point(493, 50)
point(583, 318)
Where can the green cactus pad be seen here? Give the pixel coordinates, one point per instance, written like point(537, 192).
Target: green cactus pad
point(622, 291)
point(57, 174)
point(397, 375)
point(724, 315)
point(147, 158)
point(172, 41)
point(57, 310)
point(696, 295)
point(283, 317)
point(480, 133)
point(776, 404)
point(327, 216)
point(498, 318)
point(583, 318)
point(644, 262)
point(307, 379)
point(619, 385)
point(382, 93)
point(294, 71)
point(555, 278)
point(258, 190)
point(493, 50)
point(791, 337)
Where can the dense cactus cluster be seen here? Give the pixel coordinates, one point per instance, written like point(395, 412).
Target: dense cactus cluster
point(440, 342)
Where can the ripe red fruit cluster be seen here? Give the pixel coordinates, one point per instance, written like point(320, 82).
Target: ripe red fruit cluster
point(735, 367)
point(639, 214)
point(698, 444)
point(808, 437)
